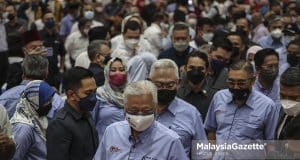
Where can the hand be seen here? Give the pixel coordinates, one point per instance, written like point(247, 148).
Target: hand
point(7, 146)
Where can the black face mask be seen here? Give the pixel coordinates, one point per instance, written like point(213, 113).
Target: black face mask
point(10, 16)
point(195, 76)
point(269, 74)
point(44, 110)
point(166, 96)
point(240, 94)
point(293, 60)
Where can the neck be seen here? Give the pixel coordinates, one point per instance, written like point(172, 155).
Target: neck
point(265, 84)
point(161, 108)
point(196, 87)
point(74, 106)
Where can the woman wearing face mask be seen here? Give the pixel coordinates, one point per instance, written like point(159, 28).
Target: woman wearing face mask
point(30, 122)
point(110, 106)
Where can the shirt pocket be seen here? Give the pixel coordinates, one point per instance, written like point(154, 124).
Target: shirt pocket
point(252, 128)
point(220, 113)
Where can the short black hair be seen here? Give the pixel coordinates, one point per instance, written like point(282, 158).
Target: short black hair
point(223, 43)
point(294, 42)
point(98, 33)
point(290, 77)
point(132, 25)
point(260, 56)
point(198, 54)
point(204, 21)
point(242, 65)
point(179, 16)
point(82, 22)
point(180, 26)
point(73, 6)
point(72, 78)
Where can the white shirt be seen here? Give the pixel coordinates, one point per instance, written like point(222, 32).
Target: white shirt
point(152, 35)
point(94, 24)
point(83, 60)
point(75, 44)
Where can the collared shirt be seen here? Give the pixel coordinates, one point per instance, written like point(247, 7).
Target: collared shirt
point(75, 44)
point(3, 40)
point(259, 32)
point(273, 93)
point(185, 120)
point(71, 135)
point(105, 114)
point(10, 98)
point(255, 120)
point(200, 100)
point(66, 25)
point(30, 146)
point(122, 51)
point(268, 42)
point(5, 126)
point(155, 143)
point(171, 53)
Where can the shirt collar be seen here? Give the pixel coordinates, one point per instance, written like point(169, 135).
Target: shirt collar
point(74, 113)
point(143, 135)
point(25, 82)
point(173, 106)
point(250, 101)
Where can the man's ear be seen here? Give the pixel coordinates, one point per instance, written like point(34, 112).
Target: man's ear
point(71, 95)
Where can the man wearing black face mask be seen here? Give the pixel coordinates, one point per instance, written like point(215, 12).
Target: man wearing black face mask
point(173, 112)
point(73, 128)
point(55, 46)
point(194, 89)
point(267, 82)
point(293, 56)
point(240, 113)
point(219, 58)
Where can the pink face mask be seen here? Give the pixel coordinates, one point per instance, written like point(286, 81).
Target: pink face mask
point(118, 79)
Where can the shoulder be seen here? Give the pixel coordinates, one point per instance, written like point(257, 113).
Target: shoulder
point(166, 53)
point(117, 127)
point(222, 94)
point(261, 98)
point(22, 129)
point(163, 130)
point(13, 92)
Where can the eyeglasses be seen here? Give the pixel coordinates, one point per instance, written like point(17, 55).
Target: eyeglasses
point(232, 82)
point(165, 85)
point(136, 111)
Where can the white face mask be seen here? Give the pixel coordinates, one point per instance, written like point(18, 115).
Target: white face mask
point(276, 33)
point(290, 107)
point(131, 43)
point(140, 122)
point(181, 46)
point(208, 36)
point(89, 15)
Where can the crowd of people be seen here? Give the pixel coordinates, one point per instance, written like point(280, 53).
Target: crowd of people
point(145, 79)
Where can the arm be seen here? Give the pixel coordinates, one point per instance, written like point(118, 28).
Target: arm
point(58, 141)
point(177, 151)
point(23, 134)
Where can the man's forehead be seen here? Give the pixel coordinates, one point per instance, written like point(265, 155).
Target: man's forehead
point(164, 74)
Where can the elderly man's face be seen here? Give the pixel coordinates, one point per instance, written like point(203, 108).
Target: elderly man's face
point(140, 105)
point(165, 79)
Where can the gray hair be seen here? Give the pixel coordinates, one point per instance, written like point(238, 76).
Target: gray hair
point(95, 47)
point(164, 64)
point(35, 67)
point(140, 88)
point(243, 65)
point(291, 77)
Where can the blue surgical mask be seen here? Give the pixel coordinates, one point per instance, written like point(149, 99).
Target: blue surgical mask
point(88, 103)
point(50, 24)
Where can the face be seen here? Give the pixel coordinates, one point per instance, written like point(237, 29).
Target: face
point(196, 63)
point(34, 47)
point(140, 105)
point(294, 49)
point(270, 62)
point(276, 25)
point(237, 42)
point(251, 57)
point(220, 54)
point(239, 79)
point(48, 17)
point(10, 10)
point(88, 8)
point(180, 35)
point(116, 68)
point(165, 79)
point(206, 28)
point(84, 30)
point(105, 51)
point(291, 93)
point(132, 34)
point(88, 86)
point(243, 25)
